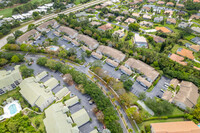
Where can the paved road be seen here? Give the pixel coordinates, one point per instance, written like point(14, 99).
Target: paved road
point(3, 40)
point(86, 128)
point(83, 98)
point(121, 110)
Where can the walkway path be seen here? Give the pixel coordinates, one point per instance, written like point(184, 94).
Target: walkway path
point(31, 110)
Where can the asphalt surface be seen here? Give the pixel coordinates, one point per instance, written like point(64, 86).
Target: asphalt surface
point(137, 88)
point(86, 128)
point(24, 28)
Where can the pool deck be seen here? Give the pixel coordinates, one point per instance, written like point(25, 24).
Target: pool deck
point(7, 113)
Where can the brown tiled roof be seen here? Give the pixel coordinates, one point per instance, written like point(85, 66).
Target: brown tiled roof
point(195, 47)
point(167, 95)
point(136, 14)
point(158, 39)
point(152, 1)
point(174, 82)
point(175, 127)
point(161, 2)
point(95, 23)
point(75, 43)
point(137, 1)
point(109, 61)
point(178, 59)
point(84, 48)
point(144, 81)
point(171, 20)
point(90, 42)
point(180, 5)
point(27, 35)
point(111, 52)
point(186, 53)
point(170, 12)
point(97, 7)
point(147, 70)
point(126, 70)
point(170, 3)
point(196, 1)
point(146, 16)
point(46, 24)
point(146, 8)
point(67, 38)
point(56, 33)
point(119, 18)
point(68, 31)
point(196, 68)
point(163, 29)
point(195, 17)
point(105, 27)
point(99, 56)
point(188, 94)
point(130, 20)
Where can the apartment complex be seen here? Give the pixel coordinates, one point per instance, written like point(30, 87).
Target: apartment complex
point(68, 31)
point(29, 37)
point(47, 25)
point(114, 54)
point(57, 121)
point(149, 73)
point(9, 79)
point(36, 93)
point(88, 41)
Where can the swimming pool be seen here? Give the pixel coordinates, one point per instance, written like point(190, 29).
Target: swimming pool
point(52, 48)
point(12, 108)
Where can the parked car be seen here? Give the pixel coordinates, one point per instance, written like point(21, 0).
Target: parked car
point(162, 90)
point(88, 98)
point(158, 96)
point(91, 102)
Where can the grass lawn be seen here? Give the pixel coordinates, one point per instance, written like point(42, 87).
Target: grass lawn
point(198, 101)
point(177, 111)
point(15, 95)
point(77, 2)
point(40, 119)
point(186, 41)
point(7, 12)
point(189, 37)
point(141, 126)
point(65, 98)
point(7, 95)
point(176, 46)
point(150, 89)
point(197, 55)
point(1, 111)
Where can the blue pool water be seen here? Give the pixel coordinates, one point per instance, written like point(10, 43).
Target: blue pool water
point(52, 48)
point(199, 126)
point(12, 109)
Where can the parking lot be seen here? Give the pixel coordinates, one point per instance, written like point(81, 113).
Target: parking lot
point(111, 71)
point(83, 98)
point(160, 85)
point(137, 88)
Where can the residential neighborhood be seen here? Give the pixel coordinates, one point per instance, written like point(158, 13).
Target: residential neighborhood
point(100, 66)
